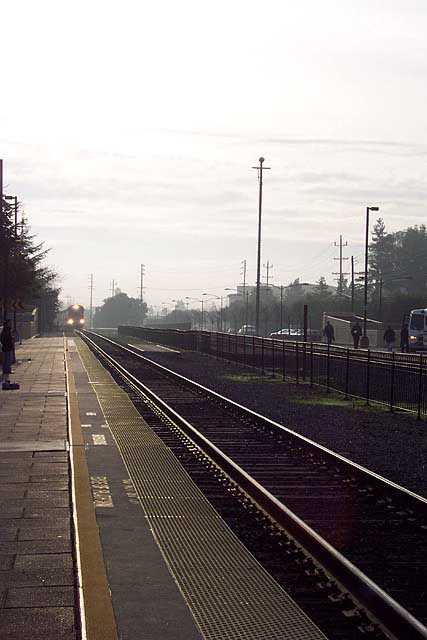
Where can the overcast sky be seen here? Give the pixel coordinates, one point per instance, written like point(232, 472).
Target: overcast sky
point(129, 130)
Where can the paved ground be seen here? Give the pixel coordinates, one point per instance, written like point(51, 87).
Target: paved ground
point(97, 514)
point(37, 594)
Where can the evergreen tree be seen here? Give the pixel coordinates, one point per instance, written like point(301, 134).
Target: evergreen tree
point(381, 252)
point(411, 258)
point(24, 272)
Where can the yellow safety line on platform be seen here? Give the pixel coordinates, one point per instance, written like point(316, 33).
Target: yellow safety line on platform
point(98, 622)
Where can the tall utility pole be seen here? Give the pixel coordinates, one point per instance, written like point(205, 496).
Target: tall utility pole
point(268, 266)
point(244, 276)
point(281, 306)
point(244, 291)
point(352, 284)
point(259, 169)
point(113, 284)
point(91, 300)
point(141, 290)
point(340, 274)
point(364, 342)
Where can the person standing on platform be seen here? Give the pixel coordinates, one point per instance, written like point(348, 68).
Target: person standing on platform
point(329, 333)
point(7, 347)
point(356, 332)
point(389, 338)
point(404, 339)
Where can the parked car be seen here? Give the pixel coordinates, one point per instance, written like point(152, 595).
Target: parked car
point(296, 334)
point(247, 330)
point(285, 334)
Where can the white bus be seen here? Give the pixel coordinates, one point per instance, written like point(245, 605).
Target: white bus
point(417, 329)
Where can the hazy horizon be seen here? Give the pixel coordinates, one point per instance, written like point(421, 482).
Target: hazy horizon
point(130, 133)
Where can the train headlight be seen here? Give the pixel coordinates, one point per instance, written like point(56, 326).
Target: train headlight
point(81, 321)
point(70, 321)
point(412, 337)
point(76, 306)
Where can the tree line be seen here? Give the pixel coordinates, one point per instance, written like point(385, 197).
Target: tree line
point(120, 309)
point(397, 283)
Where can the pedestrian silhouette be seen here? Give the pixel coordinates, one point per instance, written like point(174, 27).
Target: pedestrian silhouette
point(389, 338)
point(404, 339)
point(356, 332)
point(329, 333)
point(7, 347)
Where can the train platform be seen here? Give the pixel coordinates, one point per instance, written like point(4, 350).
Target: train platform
point(103, 535)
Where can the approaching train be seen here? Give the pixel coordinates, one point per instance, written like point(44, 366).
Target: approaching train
point(74, 317)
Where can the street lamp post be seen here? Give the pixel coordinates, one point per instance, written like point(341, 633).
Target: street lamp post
point(202, 303)
point(245, 295)
point(220, 313)
point(175, 308)
point(364, 342)
point(215, 298)
point(258, 267)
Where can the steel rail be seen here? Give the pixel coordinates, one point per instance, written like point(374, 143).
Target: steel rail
point(388, 485)
point(391, 615)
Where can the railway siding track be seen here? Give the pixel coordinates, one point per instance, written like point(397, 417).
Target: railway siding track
point(355, 523)
point(396, 380)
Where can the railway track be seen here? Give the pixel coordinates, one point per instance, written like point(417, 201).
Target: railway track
point(366, 532)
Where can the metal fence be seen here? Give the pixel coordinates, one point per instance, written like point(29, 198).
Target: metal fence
point(398, 380)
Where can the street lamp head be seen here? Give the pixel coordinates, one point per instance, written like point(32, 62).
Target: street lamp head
point(374, 208)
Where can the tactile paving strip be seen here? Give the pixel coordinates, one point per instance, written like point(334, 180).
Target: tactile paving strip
point(230, 595)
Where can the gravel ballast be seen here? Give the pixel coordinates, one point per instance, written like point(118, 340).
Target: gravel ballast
point(391, 444)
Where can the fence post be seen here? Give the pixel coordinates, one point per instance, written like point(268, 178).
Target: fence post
point(253, 351)
point(272, 359)
point(229, 348)
point(328, 369)
point(420, 387)
point(244, 350)
point(347, 373)
point(368, 375)
point(283, 360)
point(392, 381)
point(311, 365)
point(297, 361)
point(304, 344)
point(262, 356)
point(236, 349)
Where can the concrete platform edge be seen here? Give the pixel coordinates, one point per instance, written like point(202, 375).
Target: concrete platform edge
point(96, 611)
